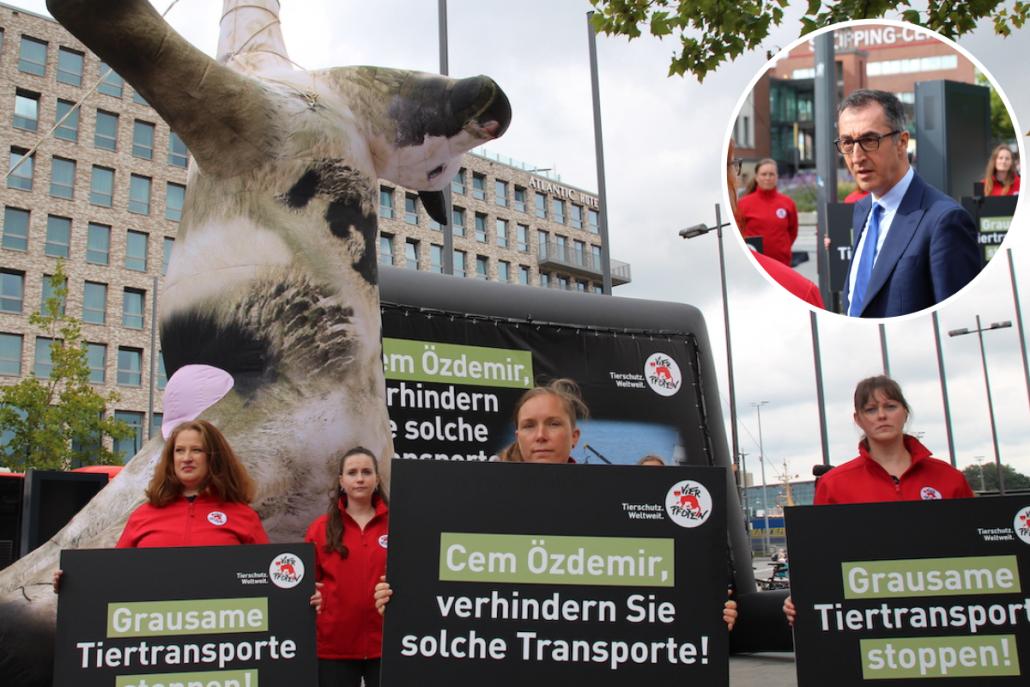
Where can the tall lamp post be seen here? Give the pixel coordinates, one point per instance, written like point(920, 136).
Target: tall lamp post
point(761, 461)
point(694, 232)
point(987, 383)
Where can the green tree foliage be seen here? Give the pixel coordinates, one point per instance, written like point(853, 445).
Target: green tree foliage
point(713, 31)
point(1002, 130)
point(58, 422)
point(1013, 478)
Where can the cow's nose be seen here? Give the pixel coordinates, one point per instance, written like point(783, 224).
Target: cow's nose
point(482, 98)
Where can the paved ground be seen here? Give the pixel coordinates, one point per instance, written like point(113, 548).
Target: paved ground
point(763, 670)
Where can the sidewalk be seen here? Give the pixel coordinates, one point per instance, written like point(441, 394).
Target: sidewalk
point(763, 670)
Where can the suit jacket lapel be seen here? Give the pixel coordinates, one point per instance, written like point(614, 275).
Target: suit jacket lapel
point(903, 228)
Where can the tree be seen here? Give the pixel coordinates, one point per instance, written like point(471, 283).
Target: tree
point(1002, 130)
point(58, 421)
point(1013, 478)
point(712, 31)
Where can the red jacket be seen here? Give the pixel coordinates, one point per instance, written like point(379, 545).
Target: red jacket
point(791, 280)
point(774, 217)
point(349, 626)
point(863, 480)
point(998, 188)
point(205, 521)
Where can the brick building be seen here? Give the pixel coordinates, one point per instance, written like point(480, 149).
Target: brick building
point(104, 192)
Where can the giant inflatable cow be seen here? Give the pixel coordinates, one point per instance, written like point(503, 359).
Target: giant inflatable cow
point(273, 276)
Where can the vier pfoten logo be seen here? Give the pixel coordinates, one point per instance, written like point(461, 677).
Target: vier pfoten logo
point(662, 374)
point(286, 571)
point(1021, 524)
point(688, 503)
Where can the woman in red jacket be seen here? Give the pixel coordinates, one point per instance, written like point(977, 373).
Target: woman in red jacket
point(891, 465)
point(769, 214)
point(198, 496)
point(1000, 178)
point(350, 557)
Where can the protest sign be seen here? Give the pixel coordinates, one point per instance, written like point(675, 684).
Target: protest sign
point(220, 616)
point(608, 575)
point(912, 591)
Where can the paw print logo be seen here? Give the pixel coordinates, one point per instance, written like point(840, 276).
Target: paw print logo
point(1021, 524)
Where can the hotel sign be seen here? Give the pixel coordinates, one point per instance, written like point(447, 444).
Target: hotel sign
point(563, 192)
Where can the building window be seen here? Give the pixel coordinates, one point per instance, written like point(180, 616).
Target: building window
point(131, 445)
point(156, 420)
point(69, 66)
point(576, 216)
point(136, 250)
point(94, 303)
point(62, 178)
point(67, 121)
point(101, 186)
point(501, 229)
point(411, 208)
point(593, 221)
point(411, 254)
point(559, 248)
point(501, 193)
point(96, 357)
point(558, 210)
point(110, 84)
point(385, 249)
point(581, 286)
point(43, 363)
point(175, 198)
point(482, 263)
point(595, 256)
point(524, 275)
point(12, 290)
point(435, 258)
point(143, 140)
point(138, 98)
point(478, 186)
point(459, 263)
point(105, 136)
point(130, 365)
point(541, 245)
point(520, 199)
point(48, 292)
point(545, 280)
point(503, 271)
point(541, 205)
point(563, 283)
point(481, 227)
point(162, 373)
point(178, 156)
point(10, 355)
point(20, 170)
point(32, 56)
point(26, 110)
point(598, 289)
point(522, 238)
point(166, 256)
point(139, 194)
point(458, 220)
point(58, 236)
point(458, 182)
point(98, 244)
point(385, 202)
point(132, 308)
point(579, 254)
point(16, 229)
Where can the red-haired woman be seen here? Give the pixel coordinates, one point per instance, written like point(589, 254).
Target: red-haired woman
point(1000, 178)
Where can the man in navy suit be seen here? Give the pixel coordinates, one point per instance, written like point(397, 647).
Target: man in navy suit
point(914, 246)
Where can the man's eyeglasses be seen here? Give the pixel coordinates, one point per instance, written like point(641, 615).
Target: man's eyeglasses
point(870, 143)
point(736, 164)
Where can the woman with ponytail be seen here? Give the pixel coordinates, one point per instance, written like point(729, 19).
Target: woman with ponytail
point(350, 557)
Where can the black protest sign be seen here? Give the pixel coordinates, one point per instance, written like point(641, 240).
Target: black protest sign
point(602, 575)
point(219, 616)
point(911, 592)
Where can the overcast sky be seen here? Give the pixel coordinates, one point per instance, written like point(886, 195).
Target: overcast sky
point(664, 140)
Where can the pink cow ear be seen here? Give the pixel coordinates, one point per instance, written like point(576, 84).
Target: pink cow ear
point(190, 391)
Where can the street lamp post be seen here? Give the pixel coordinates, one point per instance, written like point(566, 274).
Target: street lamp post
point(987, 383)
point(980, 464)
point(761, 461)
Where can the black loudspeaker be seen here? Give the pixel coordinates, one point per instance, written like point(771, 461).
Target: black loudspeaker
point(50, 500)
point(953, 134)
point(10, 517)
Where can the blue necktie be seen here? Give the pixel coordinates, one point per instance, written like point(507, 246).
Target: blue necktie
point(865, 261)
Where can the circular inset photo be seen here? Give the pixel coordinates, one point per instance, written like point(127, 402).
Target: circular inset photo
point(873, 168)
